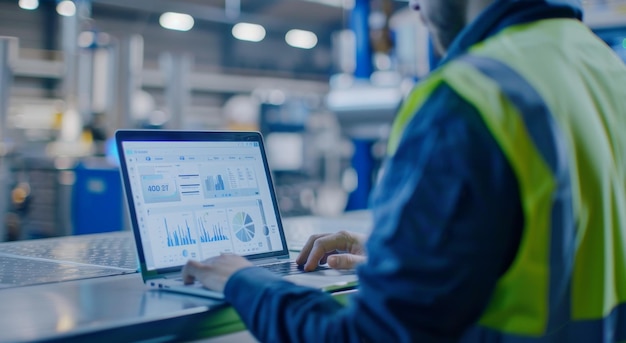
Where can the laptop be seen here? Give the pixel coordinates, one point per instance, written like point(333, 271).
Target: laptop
point(196, 194)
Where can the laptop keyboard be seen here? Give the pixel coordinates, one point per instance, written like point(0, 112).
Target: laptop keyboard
point(287, 268)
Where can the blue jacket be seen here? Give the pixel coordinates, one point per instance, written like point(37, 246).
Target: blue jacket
point(447, 224)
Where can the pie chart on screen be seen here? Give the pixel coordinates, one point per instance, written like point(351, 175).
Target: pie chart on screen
point(243, 226)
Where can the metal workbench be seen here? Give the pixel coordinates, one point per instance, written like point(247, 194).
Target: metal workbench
point(86, 288)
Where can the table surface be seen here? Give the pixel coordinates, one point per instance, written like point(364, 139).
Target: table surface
point(87, 287)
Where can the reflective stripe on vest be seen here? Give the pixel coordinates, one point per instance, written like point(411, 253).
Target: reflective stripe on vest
point(526, 131)
point(541, 297)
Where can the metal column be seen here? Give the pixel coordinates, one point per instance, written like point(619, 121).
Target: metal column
point(8, 55)
point(177, 69)
point(130, 67)
point(72, 120)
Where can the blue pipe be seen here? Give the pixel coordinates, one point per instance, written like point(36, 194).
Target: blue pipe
point(363, 164)
point(359, 22)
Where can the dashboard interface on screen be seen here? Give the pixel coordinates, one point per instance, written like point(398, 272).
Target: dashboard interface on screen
point(199, 199)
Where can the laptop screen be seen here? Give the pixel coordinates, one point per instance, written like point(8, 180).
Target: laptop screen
point(196, 199)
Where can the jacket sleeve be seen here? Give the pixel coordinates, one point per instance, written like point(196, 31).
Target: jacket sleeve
point(447, 223)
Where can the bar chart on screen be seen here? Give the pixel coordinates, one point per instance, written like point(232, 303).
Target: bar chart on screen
point(176, 237)
point(222, 182)
point(216, 233)
point(213, 231)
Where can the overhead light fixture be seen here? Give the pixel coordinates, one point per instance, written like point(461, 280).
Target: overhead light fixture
point(176, 21)
point(301, 39)
point(66, 8)
point(86, 39)
point(249, 32)
point(29, 4)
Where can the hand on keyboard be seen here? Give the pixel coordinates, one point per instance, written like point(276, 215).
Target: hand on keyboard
point(342, 250)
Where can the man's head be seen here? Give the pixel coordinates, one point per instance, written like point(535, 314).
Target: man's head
point(446, 18)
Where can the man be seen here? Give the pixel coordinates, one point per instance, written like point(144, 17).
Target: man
point(501, 212)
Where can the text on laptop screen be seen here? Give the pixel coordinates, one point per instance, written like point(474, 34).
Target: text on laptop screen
point(199, 199)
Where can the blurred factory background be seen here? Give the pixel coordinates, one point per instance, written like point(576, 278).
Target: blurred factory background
point(321, 79)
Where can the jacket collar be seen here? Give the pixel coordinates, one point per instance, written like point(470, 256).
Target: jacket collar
point(504, 13)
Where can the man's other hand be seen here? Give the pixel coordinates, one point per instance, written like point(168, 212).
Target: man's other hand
point(214, 272)
point(342, 250)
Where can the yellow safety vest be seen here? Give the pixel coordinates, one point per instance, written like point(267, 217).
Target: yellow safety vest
point(554, 98)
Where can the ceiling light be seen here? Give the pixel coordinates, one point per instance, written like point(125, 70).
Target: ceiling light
point(66, 8)
point(249, 32)
point(86, 39)
point(29, 4)
point(301, 39)
point(176, 21)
